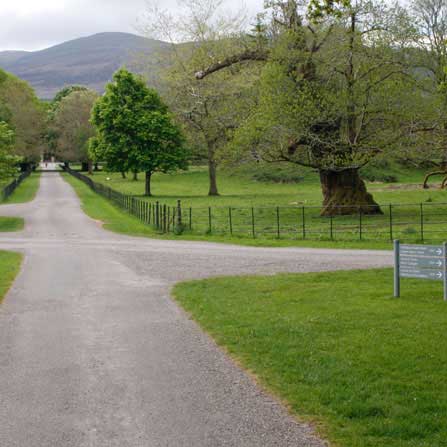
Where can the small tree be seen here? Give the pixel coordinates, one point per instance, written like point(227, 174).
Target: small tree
point(135, 130)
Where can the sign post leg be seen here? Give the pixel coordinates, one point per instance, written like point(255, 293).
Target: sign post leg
point(396, 269)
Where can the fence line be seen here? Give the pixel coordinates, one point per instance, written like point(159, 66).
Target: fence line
point(412, 222)
point(6, 192)
point(160, 216)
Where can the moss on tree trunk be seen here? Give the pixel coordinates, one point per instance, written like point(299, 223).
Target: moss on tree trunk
point(344, 193)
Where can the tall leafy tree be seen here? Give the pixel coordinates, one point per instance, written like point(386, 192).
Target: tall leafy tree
point(211, 109)
point(136, 132)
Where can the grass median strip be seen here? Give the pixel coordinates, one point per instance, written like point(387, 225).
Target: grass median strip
point(26, 191)
point(369, 369)
point(9, 224)
point(9, 268)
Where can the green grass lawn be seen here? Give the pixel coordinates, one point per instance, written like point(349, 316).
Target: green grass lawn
point(8, 224)
point(367, 369)
point(26, 191)
point(117, 220)
point(9, 268)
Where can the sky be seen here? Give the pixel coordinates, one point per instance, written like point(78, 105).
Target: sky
point(37, 24)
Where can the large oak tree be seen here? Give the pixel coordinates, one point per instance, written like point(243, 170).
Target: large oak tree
point(329, 92)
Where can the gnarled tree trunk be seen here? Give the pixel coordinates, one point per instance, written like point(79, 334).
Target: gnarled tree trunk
point(344, 193)
point(431, 174)
point(90, 167)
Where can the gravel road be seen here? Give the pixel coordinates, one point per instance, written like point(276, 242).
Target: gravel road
point(93, 351)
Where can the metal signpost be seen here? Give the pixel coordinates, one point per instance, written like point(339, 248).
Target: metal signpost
point(420, 261)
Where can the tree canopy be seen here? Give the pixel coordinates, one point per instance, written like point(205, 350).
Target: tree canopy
point(330, 92)
point(7, 160)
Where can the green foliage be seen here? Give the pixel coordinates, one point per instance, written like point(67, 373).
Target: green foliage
point(325, 87)
point(136, 132)
point(24, 113)
point(52, 131)
point(364, 368)
point(8, 161)
point(379, 170)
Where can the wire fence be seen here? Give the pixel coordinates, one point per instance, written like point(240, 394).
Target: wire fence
point(7, 191)
point(410, 222)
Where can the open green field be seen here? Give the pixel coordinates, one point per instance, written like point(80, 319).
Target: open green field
point(240, 190)
point(26, 191)
point(367, 369)
point(254, 209)
point(9, 268)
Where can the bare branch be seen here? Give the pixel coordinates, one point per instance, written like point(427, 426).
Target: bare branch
point(232, 60)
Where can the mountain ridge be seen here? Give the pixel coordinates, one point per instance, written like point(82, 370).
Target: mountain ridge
point(89, 61)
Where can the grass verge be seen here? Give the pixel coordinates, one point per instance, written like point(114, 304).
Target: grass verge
point(26, 191)
point(368, 369)
point(9, 268)
point(9, 224)
point(115, 219)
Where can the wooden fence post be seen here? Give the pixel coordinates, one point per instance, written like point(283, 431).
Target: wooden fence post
point(278, 229)
point(253, 222)
point(210, 222)
point(422, 222)
point(391, 222)
point(230, 218)
point(304, 222)
point(179, 222)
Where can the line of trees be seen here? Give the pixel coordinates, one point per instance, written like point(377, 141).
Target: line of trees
point(326, 84)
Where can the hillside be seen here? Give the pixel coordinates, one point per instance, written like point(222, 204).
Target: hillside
point(89, 61)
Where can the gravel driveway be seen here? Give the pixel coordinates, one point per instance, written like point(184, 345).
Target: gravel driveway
point(93, 351)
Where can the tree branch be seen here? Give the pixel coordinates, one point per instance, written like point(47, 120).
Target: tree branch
point(232, 60)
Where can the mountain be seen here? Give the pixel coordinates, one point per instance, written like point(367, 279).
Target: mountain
point(89, 61)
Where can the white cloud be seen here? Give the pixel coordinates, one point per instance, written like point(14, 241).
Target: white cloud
point(31, 24)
